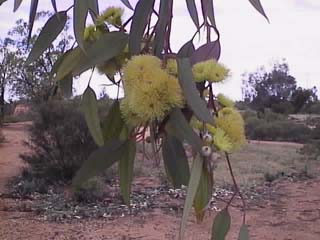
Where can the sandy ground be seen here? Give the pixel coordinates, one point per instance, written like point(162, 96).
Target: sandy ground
point(293, 213)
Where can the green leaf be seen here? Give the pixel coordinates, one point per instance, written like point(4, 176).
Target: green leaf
point(113, 124)
point(16, 5)
point(48, 34)
point(90, 109)
point(80, 13)
point(2, 1)
point(203, 195)
point(106, 47)
point(192, 8)
point(65, 85)
point(208, 11)
point(191, 193)
point(69, 61)
point(32, 16)
point(190, 91)
point(160, 33)
point(93, 7)
point(98, 161)
point(54, 5)
point(258, 6)
point(127, 4)
point(244, 233)
point(126, 165)
point(138, 25)
point(180, 128)
point(187, 50)
point(221, 225)
point(176, 161)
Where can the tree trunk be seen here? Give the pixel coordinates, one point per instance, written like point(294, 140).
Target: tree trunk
point(2, 103)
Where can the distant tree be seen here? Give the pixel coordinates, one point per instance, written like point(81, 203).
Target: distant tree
point(33, 82)
point(276, 89)
point(7, 64)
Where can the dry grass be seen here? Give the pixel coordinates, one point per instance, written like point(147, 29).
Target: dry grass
point(252, 166)
point(255, 162)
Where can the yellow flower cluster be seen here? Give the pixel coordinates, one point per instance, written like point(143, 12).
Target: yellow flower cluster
point(227, 133)
point(112, 16)
point(224, 101)
point(230, 121)
point(150, 92)
point(92, 33)
point(209, 70)
point(172, 67)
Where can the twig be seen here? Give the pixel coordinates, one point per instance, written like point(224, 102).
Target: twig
point(236, 188)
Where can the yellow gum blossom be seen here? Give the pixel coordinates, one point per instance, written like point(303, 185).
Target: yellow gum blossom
point(210, 71)
point(150, 91)
point(222, 141)
point(231, 122)
point(224, 101)
point(172, 67)
point(112, 15)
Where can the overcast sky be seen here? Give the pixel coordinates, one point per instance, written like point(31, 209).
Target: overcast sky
point(247, 40)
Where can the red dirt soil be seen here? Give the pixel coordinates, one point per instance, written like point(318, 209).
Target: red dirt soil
point(293, 214)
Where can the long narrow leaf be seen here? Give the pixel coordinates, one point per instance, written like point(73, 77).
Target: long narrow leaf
point(186, 50)
point(80, 13)
point(69, 62)
point(106, 47)
point(258, 6)
point(32, 16)
point(210, 50)
point(208, 11)
point(48, 34)
point(138, 25)
point(192, 8)
point(244, 233)
point(54, 5)
point(221, 225)
point(98, 161)
point(190, 91)
point(126, 165)
point(179, 127)
point(160, 33)
point(176, 161)
point(93, 6)
point(191, 193)
point(113, 124)
point(90, 109)
point(127, 4)
point(16, 5)
point(65, 85)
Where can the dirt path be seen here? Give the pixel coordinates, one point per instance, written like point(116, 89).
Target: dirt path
point(10, 164)
point(291, 212)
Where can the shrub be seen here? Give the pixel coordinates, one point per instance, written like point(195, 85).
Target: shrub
point(279, 130)
point(314, 108)
point(2, 138)
point(91, 191)
point(60, 141)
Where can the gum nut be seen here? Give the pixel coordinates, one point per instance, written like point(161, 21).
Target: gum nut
point(206, 151)
point(207, 137)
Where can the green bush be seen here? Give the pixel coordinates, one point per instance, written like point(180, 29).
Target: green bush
point(2, 138)
point(60, 141)
point(277, 130)
point(313, 108)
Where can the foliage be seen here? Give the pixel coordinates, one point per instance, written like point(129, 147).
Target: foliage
point(60, 141)
point(274, 127)
point(313, 108)
point(2, 138)
point(276, 89)
point(162, 101)
point(33, 81)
